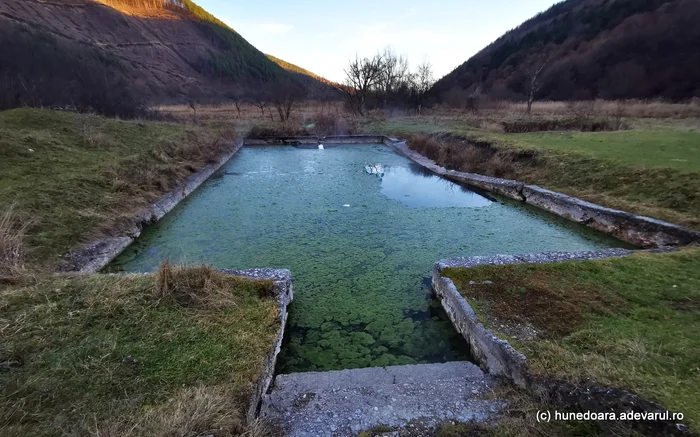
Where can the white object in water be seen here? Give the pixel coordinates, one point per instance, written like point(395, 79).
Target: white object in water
point(346, 205)
point(320, 146)
point(374, 169)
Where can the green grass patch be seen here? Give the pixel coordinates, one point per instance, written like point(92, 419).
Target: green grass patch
point(654, 171)
point(649, 147)
point(115, 355)
point(77, 176)
point(632, 323)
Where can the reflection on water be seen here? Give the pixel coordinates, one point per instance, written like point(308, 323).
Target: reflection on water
point(360, 246)
point(403, 184)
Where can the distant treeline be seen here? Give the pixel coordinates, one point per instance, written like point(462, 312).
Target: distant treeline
point(610, 49)
point(39, 70)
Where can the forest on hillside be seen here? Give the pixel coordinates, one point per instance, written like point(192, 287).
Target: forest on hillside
point(586, 49)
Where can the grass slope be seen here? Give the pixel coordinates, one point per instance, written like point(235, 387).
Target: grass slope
point(170, 354)
point(76, 176)
point(632, 322)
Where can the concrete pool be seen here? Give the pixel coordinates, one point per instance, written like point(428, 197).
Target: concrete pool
point(360, 227)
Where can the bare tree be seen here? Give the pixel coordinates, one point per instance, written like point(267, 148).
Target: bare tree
point(394, 71)
point(238, 97)
point(423, 80)
point(261, 100)
point(361, 77)
point(533, 74)
point(474, 99)
point(286, 97)
point(192, 103)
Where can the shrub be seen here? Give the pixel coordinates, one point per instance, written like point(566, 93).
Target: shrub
point(278, 130)
point(333, 124)
point(190, 286)
point(199, 286)
point(426, 146)
point(582, 124)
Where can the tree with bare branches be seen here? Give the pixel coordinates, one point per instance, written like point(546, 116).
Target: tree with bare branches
point(286, 97)
point(393, 73)
point(422, 81)
point(533, 74)
point(238, 96)
point(361, 77)
point(261, 100)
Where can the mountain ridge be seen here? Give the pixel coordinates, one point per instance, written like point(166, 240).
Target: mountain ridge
point(612, 49)
point(163, 49)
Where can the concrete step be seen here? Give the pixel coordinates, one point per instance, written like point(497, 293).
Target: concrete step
point(343, 403)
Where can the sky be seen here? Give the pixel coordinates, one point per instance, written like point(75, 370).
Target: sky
point(323, 35)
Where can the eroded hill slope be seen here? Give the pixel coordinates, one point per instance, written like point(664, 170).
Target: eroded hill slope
point(163, 49)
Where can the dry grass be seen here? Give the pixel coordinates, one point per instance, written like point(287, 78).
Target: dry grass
point(192, 411)
point(12, 244)
point(107, 355)
point(601, 108)
point(170, 163)
point(473, 156)
point(196, 286)
point(538, 299)
point(81, 177)
point(625, 108)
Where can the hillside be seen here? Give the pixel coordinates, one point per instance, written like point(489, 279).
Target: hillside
point(288, 66)
point(163, 50)
point(611, 49)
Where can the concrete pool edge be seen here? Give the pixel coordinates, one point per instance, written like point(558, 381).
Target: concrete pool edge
point(93, 257)
point(640, 231)
point(284, 293)
point(499, 358)
point(493, 354)
point(330, 139)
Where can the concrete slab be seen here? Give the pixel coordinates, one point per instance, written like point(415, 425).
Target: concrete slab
point(345, 402)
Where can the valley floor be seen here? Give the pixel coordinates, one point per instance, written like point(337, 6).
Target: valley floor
point(67, 341)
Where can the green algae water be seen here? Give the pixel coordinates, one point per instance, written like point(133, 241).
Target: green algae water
point(360, 227)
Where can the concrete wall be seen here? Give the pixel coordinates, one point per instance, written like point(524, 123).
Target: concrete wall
point(638, 230)
point(498, 357)
point(333, 139)
point(284, 294)
point(494, 355)
point(96, 255)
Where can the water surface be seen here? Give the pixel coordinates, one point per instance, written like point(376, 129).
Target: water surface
point(359, 227)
